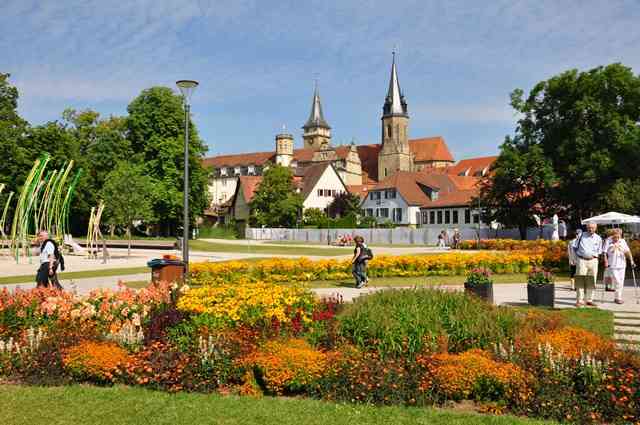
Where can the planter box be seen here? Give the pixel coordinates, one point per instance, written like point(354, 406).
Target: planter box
point(541, 295)
point(483, 291)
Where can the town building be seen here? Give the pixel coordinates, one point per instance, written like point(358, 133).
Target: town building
point(360, 168)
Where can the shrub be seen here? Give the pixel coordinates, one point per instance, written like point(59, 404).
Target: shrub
point(408, 321)
point(94, 360)
point(287, 366)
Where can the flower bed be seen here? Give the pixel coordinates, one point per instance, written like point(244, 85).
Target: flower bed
point(414, 347)
point(305, 270)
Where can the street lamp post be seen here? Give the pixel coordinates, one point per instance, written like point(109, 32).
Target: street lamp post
point(187, 88)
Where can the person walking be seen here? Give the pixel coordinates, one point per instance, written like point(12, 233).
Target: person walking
point(359, 262)
point(573, 259)
point(457, 237)
point(588, 248)
point(616, 251)
point(48, 264)
point(442, 239)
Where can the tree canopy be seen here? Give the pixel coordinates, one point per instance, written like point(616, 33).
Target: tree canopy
point(156, 131)
point(276, 202)
point(587, 125)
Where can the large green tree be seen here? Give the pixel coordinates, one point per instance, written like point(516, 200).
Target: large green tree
point(128, 196)
point(519, 185)
point(12, 130)
point(276, 202)
point(156, 131)
point(587, 125)
point(344, 204)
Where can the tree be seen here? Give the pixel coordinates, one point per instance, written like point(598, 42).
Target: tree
point(344, 204)
point(315, 217)
point(587, 125)
point(15, 165)
point(276, 202)
point(156, 130)
point(519, 185)
point(128, 195)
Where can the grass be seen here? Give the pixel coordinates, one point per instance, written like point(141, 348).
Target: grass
point(30, 278)
point(20, 405)
point(418, 281)
point(199, 245)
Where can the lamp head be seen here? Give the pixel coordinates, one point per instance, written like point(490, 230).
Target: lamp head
point(187, 88)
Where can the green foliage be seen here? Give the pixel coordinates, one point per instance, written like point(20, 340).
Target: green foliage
point(276, 202)
point(586, 125)
point(407, 321)
point(128, 194)
point(156, 130)
point(315, 217)
point(479, 277)
point(226, 231)
point(520, 185)
point(344, 204)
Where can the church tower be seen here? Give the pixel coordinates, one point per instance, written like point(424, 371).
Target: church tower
point(284, 148)
point(317, 133)
point(395, 154)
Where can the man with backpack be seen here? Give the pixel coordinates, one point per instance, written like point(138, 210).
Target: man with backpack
point(50, 258)
point(361, 254)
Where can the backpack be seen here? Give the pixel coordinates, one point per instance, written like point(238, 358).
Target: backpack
point(368, 252)
point(56, 252)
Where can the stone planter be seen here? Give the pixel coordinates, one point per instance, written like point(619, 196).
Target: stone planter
point(543, 296)
point(483, 291)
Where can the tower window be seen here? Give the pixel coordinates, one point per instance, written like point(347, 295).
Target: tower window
point(389, 131)
point(385, 172)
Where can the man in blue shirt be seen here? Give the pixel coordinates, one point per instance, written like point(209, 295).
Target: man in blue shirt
point(588, 248)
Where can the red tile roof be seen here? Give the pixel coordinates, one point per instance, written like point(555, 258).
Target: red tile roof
point(255, 158)
point(452, 190)
point(472, 166)
point(430, 149)
point(425, 149)
point(248, 185)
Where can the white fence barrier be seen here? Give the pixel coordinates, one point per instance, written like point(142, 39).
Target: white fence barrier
point(397, 236)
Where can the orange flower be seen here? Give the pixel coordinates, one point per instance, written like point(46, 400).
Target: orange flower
point(94, 360)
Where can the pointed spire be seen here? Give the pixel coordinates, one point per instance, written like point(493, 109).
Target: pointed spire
point(316, 119)
point(394, 103)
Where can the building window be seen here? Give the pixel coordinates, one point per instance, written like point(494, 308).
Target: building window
point(390, 194)
point(388, 132)
point(447, 217)
point(236, 171)
point(425, 217)
point(384, 212)
point(397, 215)
point(369, 212)
point(385, 172)
point(432, 217)
point(319, 192)
point(476, 218)
point(333, 192)
point(455, 216)
point(439, 217)
point(251, 170)
point(467, 216)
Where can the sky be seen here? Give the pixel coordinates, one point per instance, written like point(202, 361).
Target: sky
point(256, 61)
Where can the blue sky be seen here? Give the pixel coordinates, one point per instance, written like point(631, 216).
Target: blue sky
point(256, 60)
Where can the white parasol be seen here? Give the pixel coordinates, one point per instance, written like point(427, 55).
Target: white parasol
point(613, 218)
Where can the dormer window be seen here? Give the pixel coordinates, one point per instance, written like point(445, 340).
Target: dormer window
point(223, 171)
point(434, 195)
point(251, 170)
point(236, 171)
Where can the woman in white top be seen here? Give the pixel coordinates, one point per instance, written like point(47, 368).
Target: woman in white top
point(616, 253)
point(573, 258)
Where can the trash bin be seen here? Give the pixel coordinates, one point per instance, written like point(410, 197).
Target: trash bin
point(166, 269)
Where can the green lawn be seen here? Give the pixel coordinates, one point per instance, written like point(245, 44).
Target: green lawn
point(20, 405)
point(30, 278)
point(419, 281)
point(253, 248)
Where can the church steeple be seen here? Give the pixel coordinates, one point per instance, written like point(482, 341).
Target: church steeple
point(316, 118)
point(317, 133)
point(395, 154)
point(394, 103)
